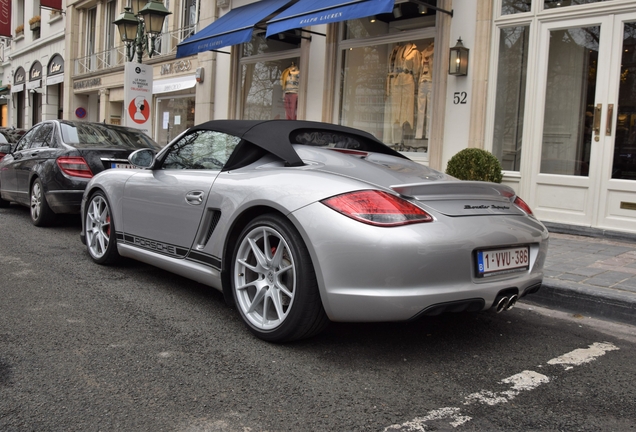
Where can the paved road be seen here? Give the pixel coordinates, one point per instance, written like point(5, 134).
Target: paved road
point(85, 347)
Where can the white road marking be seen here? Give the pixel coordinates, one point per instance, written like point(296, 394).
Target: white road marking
point(583, 355)
point(523, 381)
point(418, 424)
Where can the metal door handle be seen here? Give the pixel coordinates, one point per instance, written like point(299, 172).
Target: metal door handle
point(194, 197)
point(610, 116)
point(597, 119)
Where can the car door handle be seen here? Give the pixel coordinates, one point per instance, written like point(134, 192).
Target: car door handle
point(194, 197)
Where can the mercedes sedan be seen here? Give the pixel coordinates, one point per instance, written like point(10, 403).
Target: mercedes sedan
point(49, 167)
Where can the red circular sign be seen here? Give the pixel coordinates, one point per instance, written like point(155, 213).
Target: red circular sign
point(80, 112)
point(139, 110)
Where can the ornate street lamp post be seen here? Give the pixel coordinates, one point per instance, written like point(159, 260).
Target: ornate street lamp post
point(139, 26)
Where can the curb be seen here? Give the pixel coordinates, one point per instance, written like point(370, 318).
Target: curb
point(597, 302)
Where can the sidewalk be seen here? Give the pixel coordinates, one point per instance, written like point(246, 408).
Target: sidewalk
point(590, 276)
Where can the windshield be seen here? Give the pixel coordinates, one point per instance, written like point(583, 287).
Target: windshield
point(98, 135)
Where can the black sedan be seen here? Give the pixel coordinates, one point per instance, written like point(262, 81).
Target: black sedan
point(8, 137)
point(49, 167)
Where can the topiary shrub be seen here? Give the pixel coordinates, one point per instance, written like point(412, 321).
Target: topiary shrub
point(475, 164)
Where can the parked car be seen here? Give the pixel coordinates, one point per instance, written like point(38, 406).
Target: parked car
point(299, 223)
point(8, 137)
point(51, 164)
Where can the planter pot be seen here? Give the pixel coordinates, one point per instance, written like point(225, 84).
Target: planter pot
point(35, 26)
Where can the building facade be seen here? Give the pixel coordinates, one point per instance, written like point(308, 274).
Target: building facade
point(95, 80)
point(548, 89)
point(33, 65)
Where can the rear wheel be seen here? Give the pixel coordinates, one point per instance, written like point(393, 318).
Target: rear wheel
point(41, 213)
point(274, 283)
point(4, 203)
point(101, 242)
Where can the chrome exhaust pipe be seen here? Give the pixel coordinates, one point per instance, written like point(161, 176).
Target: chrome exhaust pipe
point(512, 301)
point(502, 304)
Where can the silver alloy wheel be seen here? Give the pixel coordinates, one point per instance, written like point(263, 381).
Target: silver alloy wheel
point(36, 200)
point(98, 226)
point(265, 278)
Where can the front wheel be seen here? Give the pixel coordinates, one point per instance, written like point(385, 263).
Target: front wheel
point(274, 283)
point(101, 241)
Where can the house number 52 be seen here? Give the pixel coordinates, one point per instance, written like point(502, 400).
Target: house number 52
point(460, 98)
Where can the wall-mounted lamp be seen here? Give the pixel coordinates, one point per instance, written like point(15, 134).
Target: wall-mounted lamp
point(372, 18)
point(458, 59)
point(422, 9)
point(397, 12)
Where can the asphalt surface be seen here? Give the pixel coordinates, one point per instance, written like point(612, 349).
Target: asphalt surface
point(131, 347)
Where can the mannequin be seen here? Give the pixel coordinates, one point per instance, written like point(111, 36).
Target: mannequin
point(404, 65)
point(290, 80)
point(424, 93)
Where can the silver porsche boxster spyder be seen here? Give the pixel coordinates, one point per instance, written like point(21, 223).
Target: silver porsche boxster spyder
point(300, 223)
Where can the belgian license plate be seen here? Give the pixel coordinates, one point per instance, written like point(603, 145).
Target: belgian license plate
point(500, 261)
point(121, 165)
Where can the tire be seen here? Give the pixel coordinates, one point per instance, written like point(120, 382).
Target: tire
point(41, 213)
point(274, 283)
point(101, 240)
point(4, 203)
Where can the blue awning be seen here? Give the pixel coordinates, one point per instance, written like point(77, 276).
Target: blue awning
point(313, 12)
point(233, 28)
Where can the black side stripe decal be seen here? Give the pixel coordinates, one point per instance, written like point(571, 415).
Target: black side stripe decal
point(169, 250)
point(205, 259)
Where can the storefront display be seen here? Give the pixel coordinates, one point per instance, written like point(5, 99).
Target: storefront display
point(270, 78)
point(290, 79)
point(387, 85)
point(393, 85)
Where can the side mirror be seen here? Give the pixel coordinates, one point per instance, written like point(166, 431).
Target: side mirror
point(143, 158)
point(5, 149)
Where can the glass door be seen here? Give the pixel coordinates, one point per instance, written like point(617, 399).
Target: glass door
point(572, 118)
point(617, 200)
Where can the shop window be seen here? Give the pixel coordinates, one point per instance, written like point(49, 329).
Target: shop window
point(270, 83)
point(509, 7)
point(386, 85)
point(175, 115)
point(550, 4)
point(510, 97)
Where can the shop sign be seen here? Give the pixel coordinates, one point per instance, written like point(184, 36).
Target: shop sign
point(89, 83)
point(19, 76)
point(36, 72)
point(176, 67)
point(51, 4)
point(5, 18)
point(137, 96)
point(173, 84)
point(56, 65)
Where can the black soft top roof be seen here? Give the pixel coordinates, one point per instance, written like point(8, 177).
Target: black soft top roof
point(274, 136)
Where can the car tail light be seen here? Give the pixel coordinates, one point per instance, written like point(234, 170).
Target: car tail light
point(2, 155)
point(377, 208)
point(523, 206)
point(75, 166)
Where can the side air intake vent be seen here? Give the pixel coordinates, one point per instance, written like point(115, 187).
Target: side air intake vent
point(210, 221)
